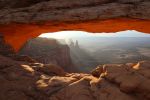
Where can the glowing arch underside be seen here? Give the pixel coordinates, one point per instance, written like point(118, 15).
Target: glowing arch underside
point(17, 34)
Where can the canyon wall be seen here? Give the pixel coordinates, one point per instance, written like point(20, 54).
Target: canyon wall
point(21, 80)
point(49, 51)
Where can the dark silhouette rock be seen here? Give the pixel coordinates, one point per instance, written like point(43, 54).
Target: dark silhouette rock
point(5, 49)
point(97, 71)
point(24, 58)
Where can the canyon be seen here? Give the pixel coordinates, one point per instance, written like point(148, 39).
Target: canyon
point(47, 51)
point(27, 79)
point(24, 78)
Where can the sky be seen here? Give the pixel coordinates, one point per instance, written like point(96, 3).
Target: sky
point(80, 34)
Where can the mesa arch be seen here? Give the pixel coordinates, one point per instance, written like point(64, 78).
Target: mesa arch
point(23, 20)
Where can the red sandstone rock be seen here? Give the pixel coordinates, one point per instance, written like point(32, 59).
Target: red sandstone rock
point(29, 81)
point(49, 51)
point(27, 19)
point(129, 79)
point(22, 81)
point(79, 10)
point(53, 84)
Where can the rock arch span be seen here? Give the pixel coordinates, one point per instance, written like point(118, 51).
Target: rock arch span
point(17, 34)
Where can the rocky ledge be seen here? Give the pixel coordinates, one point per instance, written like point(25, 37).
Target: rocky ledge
point(21, 80)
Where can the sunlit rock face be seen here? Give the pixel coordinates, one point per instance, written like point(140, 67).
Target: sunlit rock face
point(36, 81)
point(21, 20)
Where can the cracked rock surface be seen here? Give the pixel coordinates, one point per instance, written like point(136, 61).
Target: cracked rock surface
point(27, 80)
point(27, 11)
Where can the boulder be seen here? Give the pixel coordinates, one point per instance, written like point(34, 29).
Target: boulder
point(97, 71)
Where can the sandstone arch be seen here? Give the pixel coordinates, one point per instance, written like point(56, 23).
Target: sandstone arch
point(20, 22)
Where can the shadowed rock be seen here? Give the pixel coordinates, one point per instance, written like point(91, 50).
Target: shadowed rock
point(27, 11)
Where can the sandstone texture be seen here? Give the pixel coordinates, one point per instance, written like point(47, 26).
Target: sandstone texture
point(27, 80)
point(27, 11)
point(27, 19)
point(36, 81)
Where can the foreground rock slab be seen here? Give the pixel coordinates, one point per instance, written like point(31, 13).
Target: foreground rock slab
point(21, 80)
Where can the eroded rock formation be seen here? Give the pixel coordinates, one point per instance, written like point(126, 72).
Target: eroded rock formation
point(28, 11)
point(21, 20)
point(27, 80)
point(47, 51)
point(36, 81)
point(27, 18)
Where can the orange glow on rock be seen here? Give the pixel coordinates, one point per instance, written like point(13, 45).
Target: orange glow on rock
point(16, 34)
